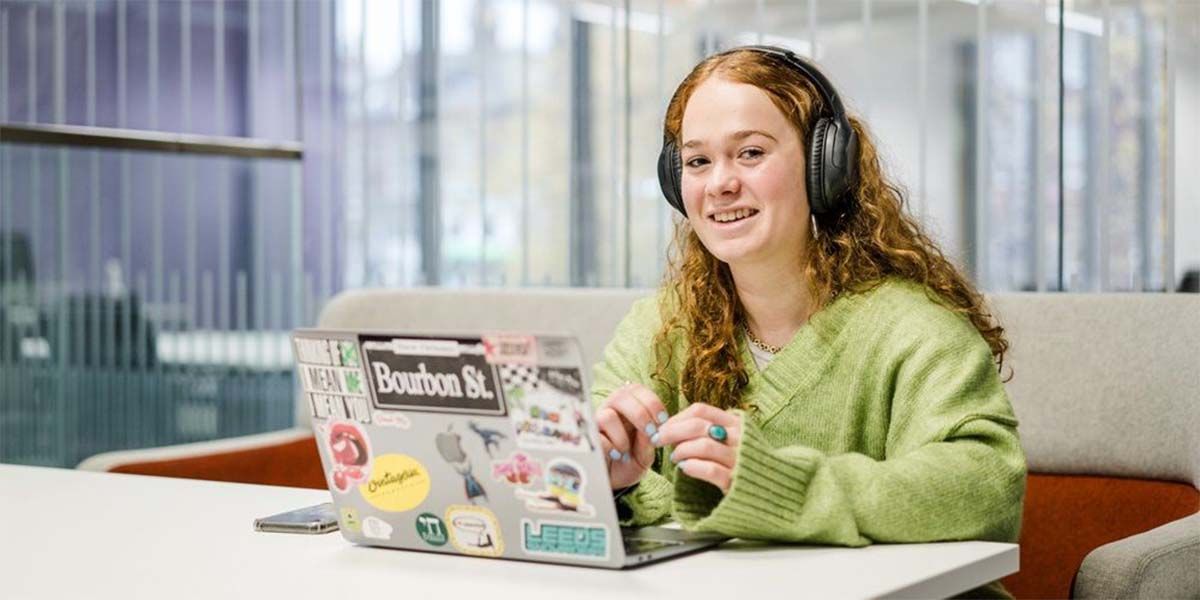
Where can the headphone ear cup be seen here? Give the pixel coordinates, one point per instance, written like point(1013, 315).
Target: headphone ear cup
point(669, 173)
point(815, 176)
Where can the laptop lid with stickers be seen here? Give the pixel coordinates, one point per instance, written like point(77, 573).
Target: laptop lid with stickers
point(477, 445)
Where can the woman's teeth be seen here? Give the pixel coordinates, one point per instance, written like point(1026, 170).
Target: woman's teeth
point(734, 215)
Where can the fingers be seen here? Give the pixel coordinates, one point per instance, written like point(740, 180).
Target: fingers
point(613, 432)
point(706, 470)
point(681, 429)
point(705, 449)
point(709, 413)
point(640, 407)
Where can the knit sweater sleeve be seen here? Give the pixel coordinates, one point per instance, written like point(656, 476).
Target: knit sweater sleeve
point(629, 356)
point(953, 469)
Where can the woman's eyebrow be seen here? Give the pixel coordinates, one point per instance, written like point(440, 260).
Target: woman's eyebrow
point(735, 136)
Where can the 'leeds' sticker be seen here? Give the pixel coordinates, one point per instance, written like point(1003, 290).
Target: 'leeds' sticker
point(443, 375)
point(588, 541)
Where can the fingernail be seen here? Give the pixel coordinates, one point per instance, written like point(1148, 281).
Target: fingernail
point(662, 417)
point(680, 464)
point(613, 454)
point(654, 439)
point(672, 457)
point(625, 457)
point(651, 429)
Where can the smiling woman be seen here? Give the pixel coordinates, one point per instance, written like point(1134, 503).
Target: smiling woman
point(813, 369)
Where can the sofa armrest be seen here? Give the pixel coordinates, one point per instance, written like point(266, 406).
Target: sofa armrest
point(1159, 563)
point(288, 457)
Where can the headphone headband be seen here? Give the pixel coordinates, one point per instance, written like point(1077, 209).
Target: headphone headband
point(824, 87)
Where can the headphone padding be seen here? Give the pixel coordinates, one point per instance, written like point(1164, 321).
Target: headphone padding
point(669, 173)
point(817, 202)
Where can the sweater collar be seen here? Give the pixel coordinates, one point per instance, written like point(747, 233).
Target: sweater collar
point(800, 363)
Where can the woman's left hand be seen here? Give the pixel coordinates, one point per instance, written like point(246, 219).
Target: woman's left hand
point(698, 452)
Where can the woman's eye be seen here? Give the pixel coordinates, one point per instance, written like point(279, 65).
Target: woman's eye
point(696, 162)
point(752, 153)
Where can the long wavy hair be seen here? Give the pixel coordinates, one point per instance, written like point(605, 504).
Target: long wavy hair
point(853, 252)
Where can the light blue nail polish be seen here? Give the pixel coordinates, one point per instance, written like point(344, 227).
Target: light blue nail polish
point(625, 457)
point(680, 464)
point(651, 429)
point(672, 457)
point(613, 454)
point(654, 439)
point(662, 417)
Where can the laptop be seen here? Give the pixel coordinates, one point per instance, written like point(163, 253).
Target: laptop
point(479, 445)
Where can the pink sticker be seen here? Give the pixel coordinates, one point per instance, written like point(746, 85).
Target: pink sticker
point(519, 349)
point(350, 452)
point(517, 469)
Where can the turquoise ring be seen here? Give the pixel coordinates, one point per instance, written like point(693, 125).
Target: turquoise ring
point(717, 433)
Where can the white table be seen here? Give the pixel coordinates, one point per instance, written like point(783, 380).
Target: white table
point(75, 534)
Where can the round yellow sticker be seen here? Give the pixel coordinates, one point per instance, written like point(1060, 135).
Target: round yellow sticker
point(397, 483)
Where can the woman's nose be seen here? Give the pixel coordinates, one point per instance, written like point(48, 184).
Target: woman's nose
point(723, 179)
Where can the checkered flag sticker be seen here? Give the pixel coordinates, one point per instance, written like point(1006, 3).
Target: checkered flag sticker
point(522, 377)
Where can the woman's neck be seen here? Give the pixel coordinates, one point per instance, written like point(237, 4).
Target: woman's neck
point(776, 299)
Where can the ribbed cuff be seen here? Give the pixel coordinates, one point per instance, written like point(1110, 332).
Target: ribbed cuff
point(764, 500)
point(650, 503)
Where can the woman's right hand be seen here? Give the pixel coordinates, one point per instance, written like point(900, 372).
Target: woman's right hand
point(627, 420)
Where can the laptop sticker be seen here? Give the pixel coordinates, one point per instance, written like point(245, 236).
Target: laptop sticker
point(563, 493)
point(449, 445)
point(376, 528)
point(348, 353)
point(547, 410)
point(520, 349)
point(315, 352)
point(395, 419)
point(345, 408)
point(474, 530)
point(349, 451)
point(431, 375)
point(350, 520)
point(397, 483)
point(518, 469)
point(432, 529)
point(490, 437)
point(551, 538)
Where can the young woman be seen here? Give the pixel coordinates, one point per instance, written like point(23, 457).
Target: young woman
point(813, 368)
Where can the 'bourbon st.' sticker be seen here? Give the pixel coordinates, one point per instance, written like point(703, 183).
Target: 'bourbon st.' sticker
point(432, 375)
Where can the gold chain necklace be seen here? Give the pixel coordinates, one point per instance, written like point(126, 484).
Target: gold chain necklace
point(765, 347)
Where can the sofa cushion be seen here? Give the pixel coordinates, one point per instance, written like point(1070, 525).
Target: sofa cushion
point(1067, 516)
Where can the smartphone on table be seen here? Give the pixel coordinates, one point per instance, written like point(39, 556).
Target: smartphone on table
point(319, 518)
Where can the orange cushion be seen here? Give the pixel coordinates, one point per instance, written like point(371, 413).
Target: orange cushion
point(292, 464)
point(1068, 516)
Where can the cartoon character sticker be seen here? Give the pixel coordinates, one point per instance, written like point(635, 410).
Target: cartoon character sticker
point(546, 408)
point(474, 530)
point(563, 491)
point(349, 451)
point(575, 540)
point(490, 437)
point(449, 445)
point(517, 469)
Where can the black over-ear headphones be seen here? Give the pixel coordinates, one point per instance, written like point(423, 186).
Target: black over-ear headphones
point(832, 168)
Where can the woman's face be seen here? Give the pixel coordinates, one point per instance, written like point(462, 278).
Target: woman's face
point(743, 175)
